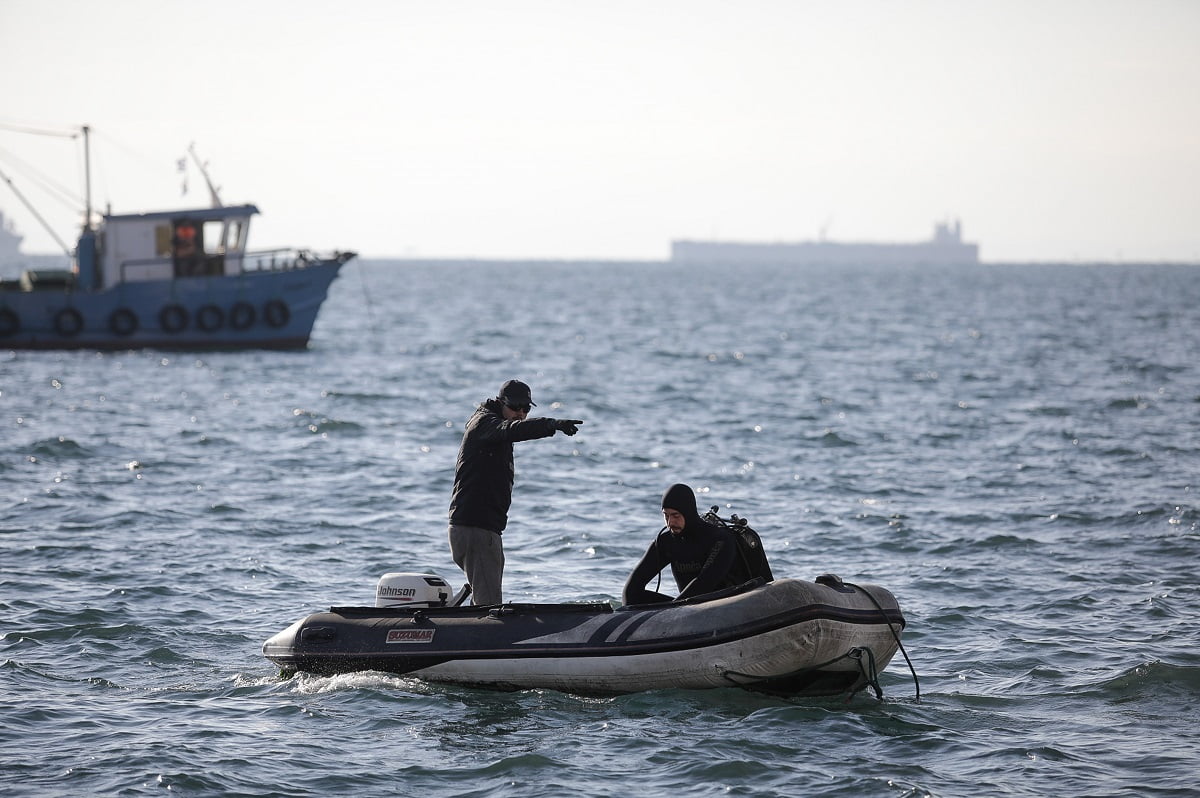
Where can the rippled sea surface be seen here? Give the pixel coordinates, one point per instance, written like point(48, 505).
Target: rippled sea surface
point(1012, 450)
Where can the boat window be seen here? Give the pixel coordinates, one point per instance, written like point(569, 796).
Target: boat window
point(196, 248)
point(162, 241)
point(236, 239)
point(214, 237)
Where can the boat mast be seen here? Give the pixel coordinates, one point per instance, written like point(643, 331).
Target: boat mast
point(87, 178)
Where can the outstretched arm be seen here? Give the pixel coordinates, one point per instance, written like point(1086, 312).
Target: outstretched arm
point(490, 428)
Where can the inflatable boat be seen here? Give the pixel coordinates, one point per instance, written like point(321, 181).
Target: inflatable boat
point(787, 637)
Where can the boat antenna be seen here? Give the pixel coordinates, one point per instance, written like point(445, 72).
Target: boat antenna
point(87, 178)
point(212, 190)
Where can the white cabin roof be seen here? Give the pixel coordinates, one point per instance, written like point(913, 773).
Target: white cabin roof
point(198, 214)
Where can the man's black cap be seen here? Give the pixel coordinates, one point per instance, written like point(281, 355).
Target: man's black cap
point(515, 393)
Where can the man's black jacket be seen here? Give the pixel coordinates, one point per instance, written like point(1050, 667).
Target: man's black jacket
point(483, 476)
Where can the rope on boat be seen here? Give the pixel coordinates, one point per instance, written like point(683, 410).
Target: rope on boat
point(854, 653)
point(870, 672)
point(895, 634)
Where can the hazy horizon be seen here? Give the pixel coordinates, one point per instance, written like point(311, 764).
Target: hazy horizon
point(1056, 132)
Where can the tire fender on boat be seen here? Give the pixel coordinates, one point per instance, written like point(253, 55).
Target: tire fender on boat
point(210, 318)
point(123, 322)
point(10, 322)
point(242, 315)
point(276, 313)
point(173, 318)
point(68, 322)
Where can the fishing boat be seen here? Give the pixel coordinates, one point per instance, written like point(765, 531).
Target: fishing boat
point(787, 636)
point(173, 279)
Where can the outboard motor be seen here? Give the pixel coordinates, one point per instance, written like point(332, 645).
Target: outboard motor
point(411, 590)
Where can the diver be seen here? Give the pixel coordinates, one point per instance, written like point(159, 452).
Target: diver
point(703, 557)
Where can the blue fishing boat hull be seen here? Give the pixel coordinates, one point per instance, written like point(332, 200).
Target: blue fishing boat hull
point(263, 309)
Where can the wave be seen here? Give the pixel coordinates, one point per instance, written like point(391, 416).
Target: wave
point(987, 542)
point(60, 447)
point(364, 396)
point(833, 440)
point(320, 424)
point(1130, 403)
point(1153, 678)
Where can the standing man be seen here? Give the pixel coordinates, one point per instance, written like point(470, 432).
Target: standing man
point(483, 482)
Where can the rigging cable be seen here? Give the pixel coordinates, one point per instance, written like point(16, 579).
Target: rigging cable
point(64, 196)
point(39, 131)
point(36, 215)
point(48, 185)
point(362, 281)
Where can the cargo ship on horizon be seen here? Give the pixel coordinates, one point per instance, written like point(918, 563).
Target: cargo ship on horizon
point(945, 248)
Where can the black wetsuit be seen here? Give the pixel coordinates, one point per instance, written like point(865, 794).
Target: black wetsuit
point(702, 557)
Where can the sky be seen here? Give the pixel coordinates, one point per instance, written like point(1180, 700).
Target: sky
point(1055, 130)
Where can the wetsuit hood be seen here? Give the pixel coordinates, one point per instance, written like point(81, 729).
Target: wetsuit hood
point(681, 498)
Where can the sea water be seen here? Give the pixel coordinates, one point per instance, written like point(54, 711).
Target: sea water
point(1012, 450)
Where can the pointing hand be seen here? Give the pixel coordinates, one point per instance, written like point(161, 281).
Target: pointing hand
point(567, 425)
